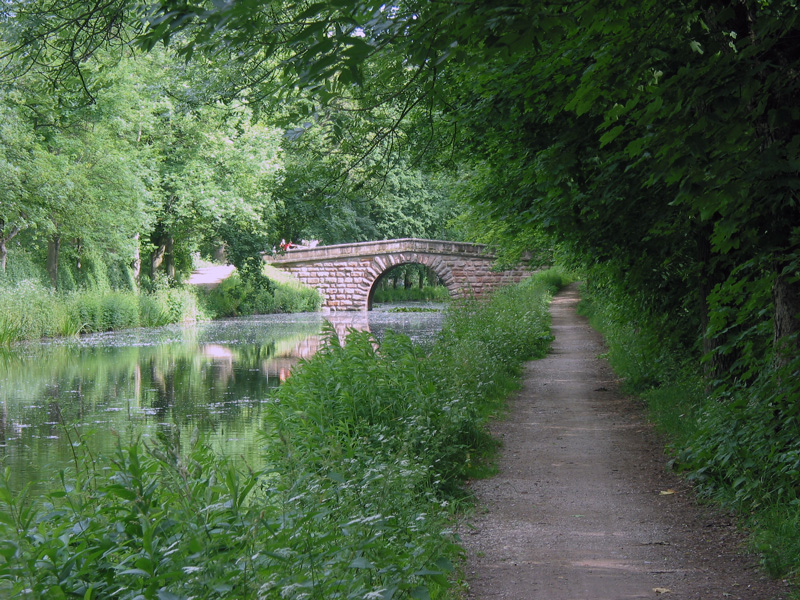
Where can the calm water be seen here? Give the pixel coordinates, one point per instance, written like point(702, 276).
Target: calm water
point(152, 383)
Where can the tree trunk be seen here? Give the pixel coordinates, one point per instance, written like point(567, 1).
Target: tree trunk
point(158, 256)
point(136, 265)
point(78, 252)
point(53, 250)
point(169, 257)
point(4, 239)
point(786, 322)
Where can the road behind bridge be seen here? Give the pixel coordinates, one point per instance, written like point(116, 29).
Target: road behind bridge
point(583, 507)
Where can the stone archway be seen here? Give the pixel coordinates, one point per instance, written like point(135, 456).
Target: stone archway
point(345, 274)
point(383, 264)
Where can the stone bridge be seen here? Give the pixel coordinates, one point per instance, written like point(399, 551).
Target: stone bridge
point(346, 274)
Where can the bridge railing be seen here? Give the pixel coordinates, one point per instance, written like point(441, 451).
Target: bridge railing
point(418, 245)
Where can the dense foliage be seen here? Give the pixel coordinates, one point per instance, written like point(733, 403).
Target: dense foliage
point(367, 446)
point(237, 296)
point(659, 141)
point(30, 310)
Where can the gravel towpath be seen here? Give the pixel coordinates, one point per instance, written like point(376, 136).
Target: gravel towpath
point(583, 507)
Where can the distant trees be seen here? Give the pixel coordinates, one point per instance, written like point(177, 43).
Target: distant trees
point(143, 159)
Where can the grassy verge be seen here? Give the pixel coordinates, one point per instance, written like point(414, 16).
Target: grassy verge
point(367, 448)
point(739, 445)
point(30, 310)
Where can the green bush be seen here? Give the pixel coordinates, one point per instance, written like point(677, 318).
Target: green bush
point(235, 297)
point(21, 267)
point(104, 311)
point(738, 444)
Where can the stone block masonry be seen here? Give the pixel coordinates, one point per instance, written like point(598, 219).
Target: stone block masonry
point(346, 274)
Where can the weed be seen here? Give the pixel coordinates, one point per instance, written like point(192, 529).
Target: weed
point(739, 445)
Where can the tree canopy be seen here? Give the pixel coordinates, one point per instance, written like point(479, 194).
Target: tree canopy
point(651, 143)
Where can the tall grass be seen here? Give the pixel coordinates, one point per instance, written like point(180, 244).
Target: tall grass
point(32, 310)
point(366, 446)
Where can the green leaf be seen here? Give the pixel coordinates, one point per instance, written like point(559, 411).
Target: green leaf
point(361, 562)
point(420, 593)
point(137, 572)
point(166, 595)
point(337, 477)
point(610, 135)
point(311, 11)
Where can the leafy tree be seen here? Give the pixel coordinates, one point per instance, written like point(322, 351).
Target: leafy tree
point(73, 175)
point(657, 140)
point(17, 211)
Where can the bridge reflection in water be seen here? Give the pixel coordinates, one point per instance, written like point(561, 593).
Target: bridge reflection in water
point(281, 364)
point(118, 387)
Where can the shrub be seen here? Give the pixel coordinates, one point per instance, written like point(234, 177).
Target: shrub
point(738, 444)
point(235, 297)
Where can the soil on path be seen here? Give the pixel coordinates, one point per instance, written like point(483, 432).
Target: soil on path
point(211, 276)
point(583, 507)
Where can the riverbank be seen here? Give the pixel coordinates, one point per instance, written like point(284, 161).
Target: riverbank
point(30, 309)
point(366, 446)
point(583, 505)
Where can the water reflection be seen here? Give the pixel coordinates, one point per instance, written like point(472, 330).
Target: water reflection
point(112, 388)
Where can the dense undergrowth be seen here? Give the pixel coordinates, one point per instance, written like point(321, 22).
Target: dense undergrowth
point(739, 443)
point(235, 297)
point(367, 448)
point(31, 310)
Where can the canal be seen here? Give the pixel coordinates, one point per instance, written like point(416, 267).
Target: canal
point(97, 391)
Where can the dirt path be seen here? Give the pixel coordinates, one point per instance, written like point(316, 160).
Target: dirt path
point(583, 507)
point(210, 277)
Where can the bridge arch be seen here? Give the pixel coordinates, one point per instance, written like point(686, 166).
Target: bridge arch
point(383, 264)
point(346, 274)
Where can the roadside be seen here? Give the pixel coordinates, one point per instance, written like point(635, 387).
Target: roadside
point(583, 507)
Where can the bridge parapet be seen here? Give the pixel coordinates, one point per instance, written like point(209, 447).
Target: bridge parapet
point(346, 273)
point(359, 249)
